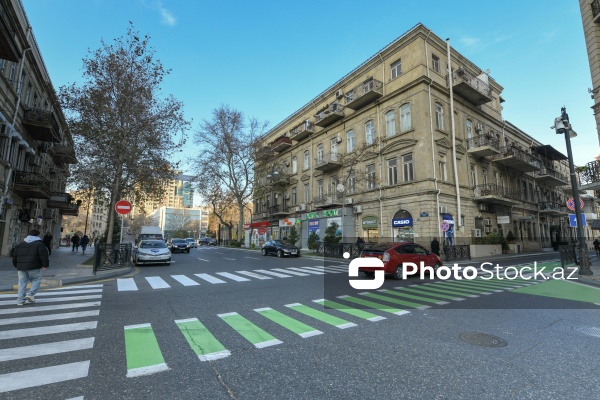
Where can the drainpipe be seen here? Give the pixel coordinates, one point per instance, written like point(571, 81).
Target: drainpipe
point(435, 180)
point(459, 222)
point(381, 175)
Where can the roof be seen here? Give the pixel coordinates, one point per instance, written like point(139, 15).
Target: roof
point(549, 152)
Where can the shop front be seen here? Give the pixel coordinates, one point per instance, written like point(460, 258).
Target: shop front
point(285, 227)
point(317, 222)
point(449, 234)
point(256, 233)
point(370, 228)
point(402, 227)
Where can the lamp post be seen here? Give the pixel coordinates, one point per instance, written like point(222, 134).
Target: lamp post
point(562, 126)
point(272, 176)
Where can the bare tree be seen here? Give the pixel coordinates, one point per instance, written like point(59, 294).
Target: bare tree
point(178, 220)
point(225, 163)
point(123, 130)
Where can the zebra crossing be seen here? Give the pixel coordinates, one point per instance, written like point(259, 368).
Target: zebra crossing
point(215, 339)
point(157, 282)
point(61, 321)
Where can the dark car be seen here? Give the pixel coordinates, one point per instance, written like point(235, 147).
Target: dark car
point(280, 248)
point(205, 241)
point(394, 254)
point(179, 246)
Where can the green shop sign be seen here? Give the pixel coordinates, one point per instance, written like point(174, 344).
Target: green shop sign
point(370, 222)
point(330, 213)
point(312, 215)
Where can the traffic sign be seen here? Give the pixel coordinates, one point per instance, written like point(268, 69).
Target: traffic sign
point(571, 204)
point(123, 207)
point(445, 226)
point(573, 220)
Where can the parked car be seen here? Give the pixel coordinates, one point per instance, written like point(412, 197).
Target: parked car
point(192, 242)
point(394, 254)
point(179, 246)
point(206, 241)
point(280, 248)
point(152, 251)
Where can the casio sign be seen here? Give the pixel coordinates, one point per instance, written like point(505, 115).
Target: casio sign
point(402, 222)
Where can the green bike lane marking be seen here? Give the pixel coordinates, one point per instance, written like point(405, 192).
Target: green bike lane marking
point(413, 297)
point(142, 351)
point(418, 289)
point(562, 289)
point(462, 287)
point(289, 323)
point(255, 335)
point(395, 301)
point(351, 311)
point(439, 289)
point(321, 316)
point(202, 342)
point(372, 304)
point(476, 285)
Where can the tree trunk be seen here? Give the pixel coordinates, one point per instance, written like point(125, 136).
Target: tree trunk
point(241, 222)
point(111, 209)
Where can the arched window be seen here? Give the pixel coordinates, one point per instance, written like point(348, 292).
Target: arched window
point(350, 141)
point(405, 118)
point(306, 159)
point(320, 152)
point(469, 126)
point(390, 123)
point(294, 165)
point(369, 132)
point(439, 116)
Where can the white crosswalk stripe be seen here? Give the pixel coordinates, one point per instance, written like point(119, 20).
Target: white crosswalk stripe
point(48, 330)
point(233, 277)
point(253, 275)
point(157, 282)
point(210, 279)
point(184, 280)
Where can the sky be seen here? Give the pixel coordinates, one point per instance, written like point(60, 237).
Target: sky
point(269, 58)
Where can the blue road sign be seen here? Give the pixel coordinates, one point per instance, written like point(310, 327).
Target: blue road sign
point(573, 220)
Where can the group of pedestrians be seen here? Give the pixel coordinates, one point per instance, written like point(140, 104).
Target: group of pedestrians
point(83, 242)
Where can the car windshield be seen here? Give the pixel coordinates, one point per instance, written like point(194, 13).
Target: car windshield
point(178, 241)
point(152, 244)
point(190, 239)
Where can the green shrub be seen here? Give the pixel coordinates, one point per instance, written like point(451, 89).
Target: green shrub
point(510, 237)
point(293, 235)
point(252, 245)
point(313, 240)
point(234, 243)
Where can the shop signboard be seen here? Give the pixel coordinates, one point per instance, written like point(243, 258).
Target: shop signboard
point(330, 213)
point(370, 222)
point(400, 222)
point(313, 226)
point(312, 215)
point(287, 222)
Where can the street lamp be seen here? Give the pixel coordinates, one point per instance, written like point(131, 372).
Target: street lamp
point(562, 126)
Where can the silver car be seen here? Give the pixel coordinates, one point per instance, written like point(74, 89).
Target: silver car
point(152, 251)
point(192, 242)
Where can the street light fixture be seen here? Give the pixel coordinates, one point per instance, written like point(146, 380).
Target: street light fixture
point(562, 126)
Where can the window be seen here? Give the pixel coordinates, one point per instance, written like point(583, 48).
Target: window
point(439, 116)
point(306, 193)
point(435, 63)
point(2, 65)
point(294, 196)
point(320, 152)
point(28, 95)
point(351, 182)
point(350, 141)
point(306, 159)
point(443, 172)
point(13, 73)
point(390, 123)
point(392, 168)
point(371, 176)
point(469, 126)
point(369, 132)
point(407, 168)
point(334, 148)
point(294, 165)
point(320, 188)
point(484, 176)
point(396, 68)
point(405, 119)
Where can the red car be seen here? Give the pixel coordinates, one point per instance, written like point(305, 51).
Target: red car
point(394, 254)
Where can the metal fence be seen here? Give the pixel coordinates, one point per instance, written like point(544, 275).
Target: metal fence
point(458, 252)
point(112, 256)
point(568, 255)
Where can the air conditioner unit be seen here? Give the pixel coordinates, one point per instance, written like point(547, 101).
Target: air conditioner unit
point(443, 209)
point(296, 209)
point(302, 207)
point(339, 93)
point(488, 229)
point(348, 200)
point(476, 232)
point(482, 207)
point(488, 221)
point(357, 209)
point(338, 139)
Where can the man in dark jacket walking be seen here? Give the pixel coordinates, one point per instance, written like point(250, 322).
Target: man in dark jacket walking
point(435, 247)
point(75, 241)
point(30, 258)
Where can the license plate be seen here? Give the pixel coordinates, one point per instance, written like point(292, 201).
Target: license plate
point(293, 251)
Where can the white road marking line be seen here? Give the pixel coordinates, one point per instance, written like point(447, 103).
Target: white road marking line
point(202, 259)
point(287, 271)
point(55, 299)
point(231, 259)
point(126, 285)
point(253, 275)
point(47, 330)
point(264, 271)
point(253, 258)
point(76, 287)
point(267, 343)
point(146, 370)
point(49, 317)
point(311, 333)
point(310, 271)
point(215, 356)
point(184, 280)
point(43, 376)
point(44, 293)
point(210, 279)
point(33, 308)
point(317, 268)
point(157, 282)
point(233, 277)
point(44, 349)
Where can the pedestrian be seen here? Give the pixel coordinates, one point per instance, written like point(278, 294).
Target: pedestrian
point(360, 243)
point(48, 242)
point(597, 247)
point(75, 242)
point(30, 258)
point(84, 242)
point(92, 241)
point(435, 247)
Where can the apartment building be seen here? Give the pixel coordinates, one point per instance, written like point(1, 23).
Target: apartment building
point(178, 193)
point(590, 17)
point(36, 146)
point(400, 149)
point(172, 219)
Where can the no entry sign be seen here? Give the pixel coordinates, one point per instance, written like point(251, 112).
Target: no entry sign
point(123, 207)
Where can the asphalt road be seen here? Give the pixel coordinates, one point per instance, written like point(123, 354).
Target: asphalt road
point(230, 324)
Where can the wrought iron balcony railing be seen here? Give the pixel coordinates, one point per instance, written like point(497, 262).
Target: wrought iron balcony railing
point(461, 75)
point(590, 174)
point(483, 140)
point(492, 189)
point(552, 206)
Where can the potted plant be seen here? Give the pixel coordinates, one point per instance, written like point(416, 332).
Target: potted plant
point(510, 237)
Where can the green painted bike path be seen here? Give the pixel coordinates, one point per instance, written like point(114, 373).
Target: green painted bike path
point(561, 289)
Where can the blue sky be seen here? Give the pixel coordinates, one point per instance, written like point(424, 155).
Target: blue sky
point(269, 58)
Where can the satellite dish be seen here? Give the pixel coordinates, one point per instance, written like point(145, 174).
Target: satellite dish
point(340, 187)
point(487, 71)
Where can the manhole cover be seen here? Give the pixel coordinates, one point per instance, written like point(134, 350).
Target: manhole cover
point(483, 339)
point(588, 330)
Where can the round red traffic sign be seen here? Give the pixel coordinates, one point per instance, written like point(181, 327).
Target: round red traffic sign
point(123, 207)
point(445, 226)
point(571, 204)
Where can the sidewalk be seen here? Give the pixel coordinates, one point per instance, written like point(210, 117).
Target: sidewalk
point(66, 268)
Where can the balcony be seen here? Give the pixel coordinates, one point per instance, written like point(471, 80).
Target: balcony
point(281, 144)
point(31, 185)
point(596, 10)
point(329, 115)
point(71, 209)
point(483, 145)
point(59, 200)
point(8, 45)
point(553, 209)
point(63, 154)
point(470, 87)
point(328, 162)
point(41, 125)
point(280, 210)
point(302, 131)
point(589, 176)
point(495, 194)
point(364, 94)
point(329, 200)
point(550, 177)
point(517, 159)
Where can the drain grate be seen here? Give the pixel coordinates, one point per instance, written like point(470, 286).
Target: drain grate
point(483, 339)
point(592, 331)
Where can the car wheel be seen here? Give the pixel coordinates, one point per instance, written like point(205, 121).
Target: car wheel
point(188, 251)
point(264, 252)
point(279, 253)
point(398, 273)
point(369, 274)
